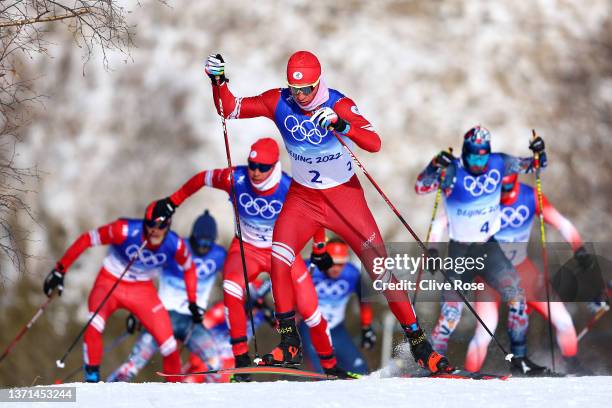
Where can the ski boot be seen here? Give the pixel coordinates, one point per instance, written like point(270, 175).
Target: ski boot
point(241, 360)
point(524, 367)
point(424, 355)
point(289, 352)
point(92, 374)
point(341, 373)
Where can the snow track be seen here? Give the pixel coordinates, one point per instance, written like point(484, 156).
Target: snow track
point(369, 392)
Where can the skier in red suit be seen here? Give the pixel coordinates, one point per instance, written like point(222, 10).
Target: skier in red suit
point(260, 189)
point(324, 192)
point(135, 291)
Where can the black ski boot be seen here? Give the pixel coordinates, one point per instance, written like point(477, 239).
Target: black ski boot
point(241, 360)
point(289, 352)
point(524, 367)
point(424, 355)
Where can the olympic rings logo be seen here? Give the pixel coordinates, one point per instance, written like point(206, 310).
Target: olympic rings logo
point(332, 289)
point(205, 267)
point(259, 206)
point(514, 217)
point(485, 183)
point(304, 130)
point(148, 258)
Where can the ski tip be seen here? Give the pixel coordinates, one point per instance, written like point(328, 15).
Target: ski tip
point(509, 357)
point(60, 363)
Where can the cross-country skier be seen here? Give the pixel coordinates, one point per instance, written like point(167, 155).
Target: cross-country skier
point(471, 194)
point(324, 193)
point(209, 259)
point(519, 206)
point(336, 279)
point(261, 187)
point(135, 291)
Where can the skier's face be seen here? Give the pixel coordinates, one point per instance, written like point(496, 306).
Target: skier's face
point(259, 172)
point(305, 95)
point(156, 234)
point(335, 271)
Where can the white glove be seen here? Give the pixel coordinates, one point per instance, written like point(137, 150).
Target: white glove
point(215, 66)
point(325, 117)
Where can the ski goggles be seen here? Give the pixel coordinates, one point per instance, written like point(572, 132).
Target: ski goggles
point(304, 89)
point(157, 224)
point(202, 242)
point(477, 160)
point(262, 167)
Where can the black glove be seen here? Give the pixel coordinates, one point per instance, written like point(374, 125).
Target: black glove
point(584, 259)
point(322, 261)
point(215, 69)
point(164, 208)
point(132, 324)
point(197, 313)
point(55, 279)
point(443, 159)
point(368, 338)
point(537, 145)
point(432, 262)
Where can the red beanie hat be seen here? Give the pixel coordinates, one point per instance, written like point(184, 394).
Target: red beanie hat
point(303, 69)
point(264, 151)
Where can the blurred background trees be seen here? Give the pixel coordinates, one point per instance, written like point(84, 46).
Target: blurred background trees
point(104, 128)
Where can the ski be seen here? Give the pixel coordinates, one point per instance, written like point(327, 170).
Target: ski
point(459, 374)
point(259, 370)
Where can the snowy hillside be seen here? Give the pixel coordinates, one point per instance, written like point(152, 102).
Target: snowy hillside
point(369, 392)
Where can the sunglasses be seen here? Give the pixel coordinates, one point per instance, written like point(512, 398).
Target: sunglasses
point(306, 89)
point(506, 188)
point(155, 224)
point(262, 167)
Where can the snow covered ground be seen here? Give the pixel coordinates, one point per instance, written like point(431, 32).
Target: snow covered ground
point(369, 392)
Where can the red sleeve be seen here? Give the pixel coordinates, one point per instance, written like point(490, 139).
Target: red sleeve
point(361, 131)
point(366, 314)
point(319, 238)
point(182, 256)
point(219, 178)
point(214, 316)
point(113, 233)
point(562, 224)
point(248, 107)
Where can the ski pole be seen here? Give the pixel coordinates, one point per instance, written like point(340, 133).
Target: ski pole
point(433, 217)
point(592, 322)
point(237, 217)
point(29, 324)
point(115, 343)
point(536, 159)
point(61, 362)
point(507, 355)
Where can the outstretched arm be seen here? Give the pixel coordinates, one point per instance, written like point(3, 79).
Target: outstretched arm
point(247, 107)
point(113, 233)
point(219, 178)
point(562, 224)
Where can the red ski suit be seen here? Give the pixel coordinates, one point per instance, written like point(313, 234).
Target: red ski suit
point(135, 292)
point(325, 193)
